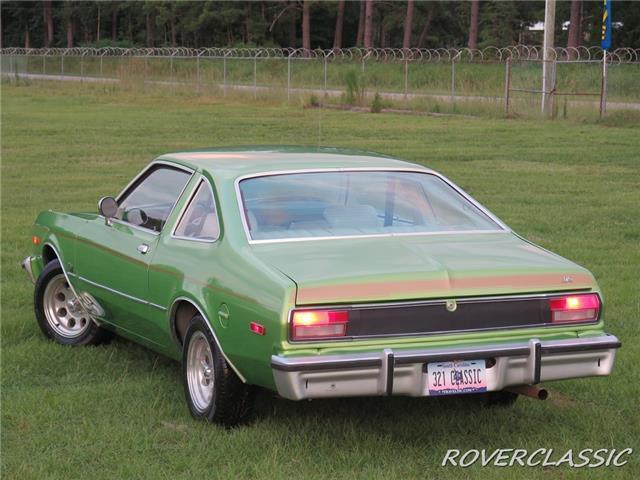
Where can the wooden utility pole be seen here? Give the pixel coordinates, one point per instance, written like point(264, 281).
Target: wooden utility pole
point(548, 55)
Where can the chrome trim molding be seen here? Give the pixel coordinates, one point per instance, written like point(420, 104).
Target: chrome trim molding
point(186, 206)
point(402, 372)
point(503, 228)
point(442, 301)
point(213, 333)
point(118, 292)
point(26, 266)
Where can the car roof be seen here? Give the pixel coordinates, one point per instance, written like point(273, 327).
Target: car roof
point(240, 161)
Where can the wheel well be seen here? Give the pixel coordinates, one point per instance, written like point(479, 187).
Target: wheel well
point(48, 254)
point(183, 312)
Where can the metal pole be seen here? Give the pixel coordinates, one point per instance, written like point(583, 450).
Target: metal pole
point(603, 86)
point(224, 76)
point(44, 68)
point(255, 75)
point(101, 65)
point(325, 76)
point(288, 79)
point(406, 78)
point(507, 86)
point(198, 73)
point(62, 65)
point(145, 70)
point(453, 83)
point(171, 70)
point(549, 27)
point(81, 68)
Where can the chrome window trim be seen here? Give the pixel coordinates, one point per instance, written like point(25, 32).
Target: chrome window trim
point(503, 228)
point(188, 170)
point(440, 301)
point(213, 333)
point(186, 206)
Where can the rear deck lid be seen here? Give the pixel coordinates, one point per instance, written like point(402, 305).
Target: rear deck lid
point(416, 267)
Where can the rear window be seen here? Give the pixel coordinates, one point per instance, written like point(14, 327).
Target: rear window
point(351, 203)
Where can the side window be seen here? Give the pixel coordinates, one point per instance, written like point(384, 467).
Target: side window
point(200, 220)
point(149, 201)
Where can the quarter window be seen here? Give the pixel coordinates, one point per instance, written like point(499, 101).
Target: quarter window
point(200, 220)
point(150, 200)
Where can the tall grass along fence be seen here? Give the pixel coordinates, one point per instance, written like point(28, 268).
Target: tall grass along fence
point(448, 79)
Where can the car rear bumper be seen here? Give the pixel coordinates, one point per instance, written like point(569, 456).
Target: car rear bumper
point(26, 266)
point(402, 372)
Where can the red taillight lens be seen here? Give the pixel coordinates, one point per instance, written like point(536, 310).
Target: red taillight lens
point(319, 324)
point(575, 308)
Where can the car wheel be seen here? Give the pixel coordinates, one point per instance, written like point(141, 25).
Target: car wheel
point(213, 391)
point(59, 315)
point(502, 398)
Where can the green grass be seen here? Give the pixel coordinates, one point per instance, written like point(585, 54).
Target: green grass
point(117, 411)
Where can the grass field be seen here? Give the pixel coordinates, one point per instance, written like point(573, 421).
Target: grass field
point(117, 411)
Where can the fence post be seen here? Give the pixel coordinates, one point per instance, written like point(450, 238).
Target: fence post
point(62, 65)
point(198, 74)
point(406, 78)
point(171, 70)
point(507, 86)
point(44, 68)
point(255, 79)
point(603, 85)
point(224, 76)
point(453, 83)
point(82, 68)
point(325, 76)
point(288, 78)
point(101, 55)
point(145, 70)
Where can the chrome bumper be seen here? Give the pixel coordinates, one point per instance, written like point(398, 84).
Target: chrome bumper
point(26, 266)
point(402, 372)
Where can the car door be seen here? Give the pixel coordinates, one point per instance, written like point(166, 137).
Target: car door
point(113, 256)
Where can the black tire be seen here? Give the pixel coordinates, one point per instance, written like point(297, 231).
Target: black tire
point(501, 398)
point(91, 335)
point(231, 401)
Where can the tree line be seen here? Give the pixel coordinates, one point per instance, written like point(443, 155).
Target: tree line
point(308, 24)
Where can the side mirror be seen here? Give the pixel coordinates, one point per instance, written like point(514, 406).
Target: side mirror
point(108, 208)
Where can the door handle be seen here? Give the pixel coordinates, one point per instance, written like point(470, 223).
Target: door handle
point(143, 248)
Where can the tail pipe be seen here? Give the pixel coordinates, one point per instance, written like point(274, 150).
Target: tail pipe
point(530, 391)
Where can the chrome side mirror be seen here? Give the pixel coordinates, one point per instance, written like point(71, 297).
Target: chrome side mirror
point(108, 208)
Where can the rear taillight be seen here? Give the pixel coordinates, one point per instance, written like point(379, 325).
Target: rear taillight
point(575, 308)
point(318, 324)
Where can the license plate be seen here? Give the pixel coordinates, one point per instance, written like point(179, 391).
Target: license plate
point(452, 378)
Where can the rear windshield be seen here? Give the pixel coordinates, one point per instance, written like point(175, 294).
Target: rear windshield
point(337, 204)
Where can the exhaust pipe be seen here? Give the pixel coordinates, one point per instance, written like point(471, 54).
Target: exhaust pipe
point(530, 391)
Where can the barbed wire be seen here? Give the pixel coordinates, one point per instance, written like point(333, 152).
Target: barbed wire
point(487, 54)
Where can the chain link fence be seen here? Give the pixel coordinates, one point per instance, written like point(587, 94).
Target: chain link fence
point(443, 76)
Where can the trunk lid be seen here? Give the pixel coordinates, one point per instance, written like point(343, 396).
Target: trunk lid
point(400, 268)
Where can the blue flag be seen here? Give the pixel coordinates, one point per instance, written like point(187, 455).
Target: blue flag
point(606, 25)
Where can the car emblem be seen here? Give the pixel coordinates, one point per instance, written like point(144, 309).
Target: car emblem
point(567, 279)
point(452, 306)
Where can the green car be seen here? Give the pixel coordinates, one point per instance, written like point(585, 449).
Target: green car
point(315, 273)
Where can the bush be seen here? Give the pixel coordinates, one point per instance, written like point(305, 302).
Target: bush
point(354, 81)
point(378, 104)
point(313, 101)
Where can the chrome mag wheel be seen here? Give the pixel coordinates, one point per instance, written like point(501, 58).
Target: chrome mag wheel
point(200, 374)
point(62, 309)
